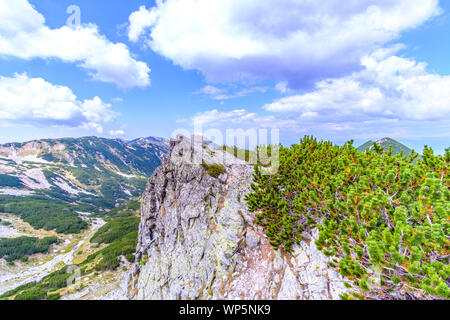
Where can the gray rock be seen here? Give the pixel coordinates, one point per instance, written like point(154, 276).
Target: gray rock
point(197, 239)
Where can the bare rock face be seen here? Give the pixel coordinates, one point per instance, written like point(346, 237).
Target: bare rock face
point(198, 241)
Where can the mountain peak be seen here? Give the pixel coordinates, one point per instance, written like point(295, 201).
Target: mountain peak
point(385, 142)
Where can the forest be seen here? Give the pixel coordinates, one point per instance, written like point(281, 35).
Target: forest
point(21, 248)
point(47, 215)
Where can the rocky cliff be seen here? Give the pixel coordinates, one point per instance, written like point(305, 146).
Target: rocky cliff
point(198, 241)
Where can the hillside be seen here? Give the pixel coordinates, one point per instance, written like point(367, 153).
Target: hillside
point(397, 147)
point(100, 257)
point(55, 195)
point(330, 223)
point(90, 170)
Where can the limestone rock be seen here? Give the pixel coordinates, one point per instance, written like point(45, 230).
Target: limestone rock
point(197, 239)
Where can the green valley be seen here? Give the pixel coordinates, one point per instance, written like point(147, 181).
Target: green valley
point(57, 195)
point(102, 258)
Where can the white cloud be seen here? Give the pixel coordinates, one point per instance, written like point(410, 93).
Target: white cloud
point(214, 117)
point(139, 21)
point(393, 96)
point(212, 91)
point(116, 133)
point(23, 34)
point(282, 87)
point(298, 41)
point(92, 126)
point(238, 118)
point(222, 93)
point(391, 88)
point(35, 100)
point(117, 100)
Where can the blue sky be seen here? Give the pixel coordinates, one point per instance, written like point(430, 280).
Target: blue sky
point(140, 68)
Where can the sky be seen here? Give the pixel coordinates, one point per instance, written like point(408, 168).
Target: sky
point(128, 69)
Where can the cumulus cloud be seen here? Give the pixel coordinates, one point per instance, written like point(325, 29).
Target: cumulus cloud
point(389, 87)
point(37, 101)
point(393, 96)
point(139, 21)
point(293, 41)
point(23, 34)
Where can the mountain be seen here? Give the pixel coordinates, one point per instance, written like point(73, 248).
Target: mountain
point(89, 170)
point(397, 147)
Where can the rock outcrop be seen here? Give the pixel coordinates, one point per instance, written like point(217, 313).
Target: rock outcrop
point(197, 240)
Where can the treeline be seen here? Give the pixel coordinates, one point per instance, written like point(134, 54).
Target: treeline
point(21, 248)
point(126, 209)
point(261, 155)
point(10, 181)
point(121, 234)
point(373, 210)
point(42, 290)
point(111, 186)
point(46, 215)
point(115, 229)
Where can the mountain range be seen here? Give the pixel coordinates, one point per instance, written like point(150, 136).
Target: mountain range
point(89, 170)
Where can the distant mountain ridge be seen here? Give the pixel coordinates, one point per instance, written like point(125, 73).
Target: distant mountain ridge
point(91, 170)
point(397, 147)
point(154, 140)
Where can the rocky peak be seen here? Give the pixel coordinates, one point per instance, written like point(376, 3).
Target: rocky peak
point(197, 239)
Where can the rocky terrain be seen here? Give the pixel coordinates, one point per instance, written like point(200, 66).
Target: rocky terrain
point(198, 241)
point(39, 266)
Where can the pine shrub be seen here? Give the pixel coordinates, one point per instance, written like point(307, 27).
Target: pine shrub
point(373, 210)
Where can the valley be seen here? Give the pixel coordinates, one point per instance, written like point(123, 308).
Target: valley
point(66, 190)
point(97, 259)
